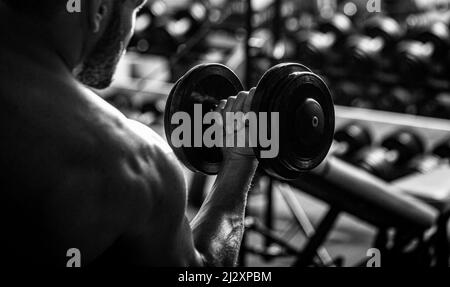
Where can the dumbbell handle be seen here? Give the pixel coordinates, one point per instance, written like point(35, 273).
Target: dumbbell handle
point(359, 193)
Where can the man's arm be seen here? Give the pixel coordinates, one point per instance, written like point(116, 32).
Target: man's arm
point(214, 236)
point(219, 225)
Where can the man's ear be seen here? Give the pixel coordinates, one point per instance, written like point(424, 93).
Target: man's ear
point(97, 11)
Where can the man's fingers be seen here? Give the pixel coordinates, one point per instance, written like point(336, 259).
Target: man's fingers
point(229, 127)
point(221, 105)
point(229, 105)
point(240, 100)
point(248, 101)
point(219, 109)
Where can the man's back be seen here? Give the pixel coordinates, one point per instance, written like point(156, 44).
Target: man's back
point(70, 165)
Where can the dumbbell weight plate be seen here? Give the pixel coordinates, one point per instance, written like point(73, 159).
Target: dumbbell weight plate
point(443, 149)
point(306, 114)
point(355, 135)
point(205, 84)
point(384, 27)
point(340, 25)
point(407, 143)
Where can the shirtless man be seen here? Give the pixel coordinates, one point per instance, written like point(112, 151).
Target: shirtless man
point(76, 172)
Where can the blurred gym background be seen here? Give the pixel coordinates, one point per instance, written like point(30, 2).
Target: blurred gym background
point(387, 64)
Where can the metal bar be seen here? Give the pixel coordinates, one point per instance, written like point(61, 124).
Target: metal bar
point(277, 25)
point(363, 195)
point(306, 256)
point(259, 228)
point(442, 240)
point(303, 222)
point(269, 211)
point(248, 56)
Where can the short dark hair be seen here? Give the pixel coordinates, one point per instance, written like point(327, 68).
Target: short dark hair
point(38, 7)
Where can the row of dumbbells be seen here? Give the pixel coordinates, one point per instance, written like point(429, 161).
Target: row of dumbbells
point(411, 49)
point(375, 68)
point(397, 155)
point(392, 98)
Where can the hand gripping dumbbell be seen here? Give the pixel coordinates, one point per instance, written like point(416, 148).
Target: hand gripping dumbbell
point(301, 99)
point(375, 48)
point(350, 139)
point(316, 47)
point(389, 160)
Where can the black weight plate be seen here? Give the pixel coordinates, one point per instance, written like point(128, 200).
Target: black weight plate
point(205, 84)
point(406, 142)
point(384, 27)
point(286, 88)
point(443, 149)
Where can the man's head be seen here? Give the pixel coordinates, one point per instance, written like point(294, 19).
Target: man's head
point(92, 41)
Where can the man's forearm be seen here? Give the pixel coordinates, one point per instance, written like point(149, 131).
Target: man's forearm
point(219, 225)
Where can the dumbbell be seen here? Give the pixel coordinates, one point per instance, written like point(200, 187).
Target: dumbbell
point(316, 47)
point(350, 93)
point(400, 100)
point(443, 149)
point(437, 106)
point(440, 155)
point(300, 97)
point(424, 54)
point(185, 22)
point(350, 139)
point(388, 161)
point(375, 48)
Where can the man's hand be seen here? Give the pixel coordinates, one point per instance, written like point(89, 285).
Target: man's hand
point(240, 103)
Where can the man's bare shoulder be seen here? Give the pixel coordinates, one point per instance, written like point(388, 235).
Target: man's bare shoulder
point(107, 175)
point(143, 160)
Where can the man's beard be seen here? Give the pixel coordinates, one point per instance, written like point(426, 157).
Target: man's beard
point(98, 69)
